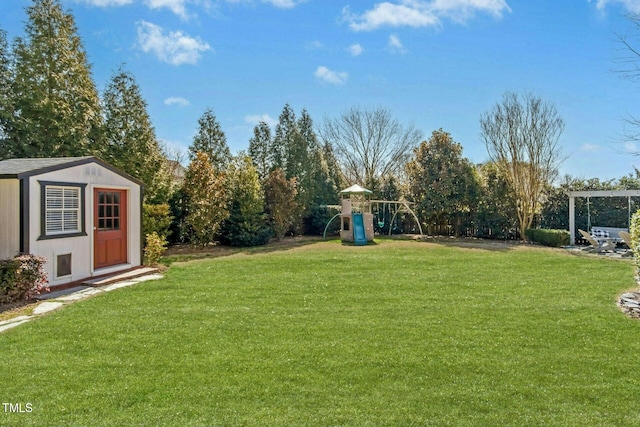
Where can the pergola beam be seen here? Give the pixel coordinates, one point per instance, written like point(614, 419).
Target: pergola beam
point(604, 193)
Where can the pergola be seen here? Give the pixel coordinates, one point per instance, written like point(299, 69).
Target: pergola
point(600, 193)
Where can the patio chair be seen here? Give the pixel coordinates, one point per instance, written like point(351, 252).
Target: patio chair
point(596, 246)
point(626, 238)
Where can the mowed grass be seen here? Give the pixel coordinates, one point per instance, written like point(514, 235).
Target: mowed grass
point(399, 333)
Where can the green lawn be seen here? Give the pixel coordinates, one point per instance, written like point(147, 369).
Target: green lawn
point(399, 333)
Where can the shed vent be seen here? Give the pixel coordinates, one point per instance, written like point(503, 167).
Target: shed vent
point(63, 265)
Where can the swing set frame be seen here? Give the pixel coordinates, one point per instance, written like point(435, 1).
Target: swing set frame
point(400, 206)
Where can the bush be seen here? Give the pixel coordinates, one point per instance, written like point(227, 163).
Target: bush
point(155, 247)
point(22, 278)
point(634, 230)
point(318, 218)
point(245, 233)
point(554, 238)
point(156, 219)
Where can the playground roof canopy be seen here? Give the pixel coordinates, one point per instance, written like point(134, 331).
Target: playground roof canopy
point(355, 189)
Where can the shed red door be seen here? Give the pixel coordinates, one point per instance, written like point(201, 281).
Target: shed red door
point(110, 227)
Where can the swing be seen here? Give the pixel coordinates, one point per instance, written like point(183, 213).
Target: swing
point(381, 222)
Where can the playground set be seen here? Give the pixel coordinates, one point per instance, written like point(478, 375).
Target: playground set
point(357, 215)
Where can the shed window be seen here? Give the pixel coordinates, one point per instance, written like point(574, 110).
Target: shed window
point(62, 210)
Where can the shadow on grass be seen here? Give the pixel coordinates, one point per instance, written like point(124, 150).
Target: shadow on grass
point(184, 253)
point(458, 242)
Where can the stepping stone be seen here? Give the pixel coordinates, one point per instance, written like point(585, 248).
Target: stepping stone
point(155, 276)
point(118, 286)
point(56, 294)
point(14, 319)
point(12, 325)
point(47, 306)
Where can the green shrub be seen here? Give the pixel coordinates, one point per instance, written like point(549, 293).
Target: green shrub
point(156, 219)
point(554, 238)
point(634, 230)
point(155, 247)
point(317, 219)
point(22, 278)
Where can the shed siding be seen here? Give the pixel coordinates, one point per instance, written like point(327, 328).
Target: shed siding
point(9, 217)
point(81, 247)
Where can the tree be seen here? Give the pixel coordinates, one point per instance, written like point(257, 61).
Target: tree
point(495, 215)
point(630, 69)
point(206, 199)
point(441, 182)
point(283, 140)
point(280, 196)
point(55, 101)
point(246, 225)
point(259, 147)
point(6, 107)
point(131, 143)
point(211, 140)
point(335, 180)
point(522, 138)
point(370, 144)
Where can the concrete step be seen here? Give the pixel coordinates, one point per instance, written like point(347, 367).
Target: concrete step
point(120, 277)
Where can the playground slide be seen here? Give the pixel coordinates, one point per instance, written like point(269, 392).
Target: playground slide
point(359, 236)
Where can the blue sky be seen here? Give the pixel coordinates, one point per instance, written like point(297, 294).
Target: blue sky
point(433, 63)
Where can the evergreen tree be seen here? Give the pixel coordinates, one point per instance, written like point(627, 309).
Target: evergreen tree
point(246, 225)
point(441, 182)
point(131, 143)
point(6, 109)
point(206, 200)
point(286, 131)
point(259, 147)
point(494, 215)
point(304, 160)
point(336, 180)
point(58, 104)
point(211, 140)
point(280, 200)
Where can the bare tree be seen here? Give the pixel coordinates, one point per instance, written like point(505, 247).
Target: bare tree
point(370, 144)
point(522, 138)
point(629, 68)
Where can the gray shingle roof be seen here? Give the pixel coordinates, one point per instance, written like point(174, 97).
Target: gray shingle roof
point(21, 168)
point(29, 166)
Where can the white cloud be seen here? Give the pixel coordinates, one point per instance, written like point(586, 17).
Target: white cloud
point(330, 76)
point(283, 4)
point(107, 3)
point(254, 119)
point(422, 13)
point(176, 6)
point(177, 100)
point(630, 5)
point(179, 7)
point(630, 147)
point(355, 49)
point(175, 48)
point(314, 45)
point(395, 45)
point(590, 148)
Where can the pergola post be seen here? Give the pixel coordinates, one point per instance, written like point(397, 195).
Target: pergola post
point(572, 220)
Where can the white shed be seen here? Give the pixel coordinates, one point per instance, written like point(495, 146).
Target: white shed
point(81, 214)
